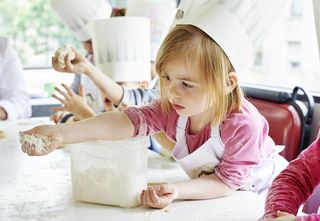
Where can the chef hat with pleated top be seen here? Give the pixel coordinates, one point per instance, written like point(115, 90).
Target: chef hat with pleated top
point(161, 14)
point(78, 14)
point(237, 26)
point(122, 48)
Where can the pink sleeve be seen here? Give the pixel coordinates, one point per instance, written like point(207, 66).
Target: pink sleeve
point(242, 151)
point(148, 119)
point(311, 217)
point(294, 185)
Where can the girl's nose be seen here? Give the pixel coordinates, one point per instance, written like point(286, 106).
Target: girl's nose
point(173, 90)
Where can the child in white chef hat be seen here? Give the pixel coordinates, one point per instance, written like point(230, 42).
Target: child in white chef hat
point(84, 96)
point(221, 139)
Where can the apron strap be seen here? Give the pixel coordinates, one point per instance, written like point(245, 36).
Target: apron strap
point(181, 127)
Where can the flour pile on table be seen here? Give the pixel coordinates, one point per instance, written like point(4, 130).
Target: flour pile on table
point(3, 134)
point(40, 142)
point(61, 54)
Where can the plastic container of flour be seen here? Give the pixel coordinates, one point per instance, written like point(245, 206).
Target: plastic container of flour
point(110, 172)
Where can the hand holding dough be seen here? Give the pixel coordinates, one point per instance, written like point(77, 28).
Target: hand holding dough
point(61, 54)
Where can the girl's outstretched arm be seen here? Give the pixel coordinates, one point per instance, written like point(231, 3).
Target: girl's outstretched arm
point(43, 139)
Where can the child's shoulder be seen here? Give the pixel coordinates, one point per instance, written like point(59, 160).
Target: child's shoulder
point(246, 119)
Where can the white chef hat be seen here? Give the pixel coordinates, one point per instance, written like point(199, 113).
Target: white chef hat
point(122, 48)
point(238, 26)
point(161, 14)
point(78, 14)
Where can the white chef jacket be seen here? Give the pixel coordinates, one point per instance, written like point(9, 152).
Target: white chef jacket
point(14, 97)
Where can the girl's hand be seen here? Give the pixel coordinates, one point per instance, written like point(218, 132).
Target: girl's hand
point(40, 140)
point(74, 103)
point(283, 216)
point(77, 65)
point(158, 196)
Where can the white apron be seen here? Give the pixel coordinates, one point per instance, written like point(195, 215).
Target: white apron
point(204, 159)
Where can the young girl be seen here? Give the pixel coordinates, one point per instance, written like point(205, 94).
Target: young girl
point(299, 179)
point(221, 139)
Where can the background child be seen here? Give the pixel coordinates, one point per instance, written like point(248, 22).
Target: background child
point(294, 185)
point(14, 98)
point(221, 139)
point(78, 15)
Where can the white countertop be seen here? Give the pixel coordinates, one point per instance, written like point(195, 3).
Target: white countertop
point(39, 188)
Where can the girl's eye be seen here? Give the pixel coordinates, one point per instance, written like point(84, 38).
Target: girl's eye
point(187, 85)
point(166, 77)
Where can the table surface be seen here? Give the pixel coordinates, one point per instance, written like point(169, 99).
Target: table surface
point(39, 188)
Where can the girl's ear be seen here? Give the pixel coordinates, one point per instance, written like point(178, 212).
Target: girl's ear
point(232, 81)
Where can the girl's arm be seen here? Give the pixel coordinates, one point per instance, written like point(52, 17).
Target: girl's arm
point(204, 187)
point(107, 126)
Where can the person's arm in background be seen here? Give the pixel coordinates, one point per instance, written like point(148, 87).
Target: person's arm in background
point(139, 96)
point(60, 116)
point(80, 64)
point(109, 88)
point(294, 184)
point(14, 98)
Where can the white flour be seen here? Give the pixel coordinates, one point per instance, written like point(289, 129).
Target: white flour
point(61, 54)
point(105, 186)
point(40, 142)
point(3, 134)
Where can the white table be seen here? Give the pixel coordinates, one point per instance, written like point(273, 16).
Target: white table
point(39, 188)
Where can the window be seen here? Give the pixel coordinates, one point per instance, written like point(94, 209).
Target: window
point(289, 55)
point(36, 32)
point(258, 59)
point(296, 8)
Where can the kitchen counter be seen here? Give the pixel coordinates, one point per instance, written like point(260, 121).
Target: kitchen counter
point(39, 188)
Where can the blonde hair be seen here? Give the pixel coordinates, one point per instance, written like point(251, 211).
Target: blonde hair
point(197, 48)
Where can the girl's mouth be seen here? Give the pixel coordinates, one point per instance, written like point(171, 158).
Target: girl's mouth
point(177, 107)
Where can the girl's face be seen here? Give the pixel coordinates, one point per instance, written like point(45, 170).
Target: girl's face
point(184, 89)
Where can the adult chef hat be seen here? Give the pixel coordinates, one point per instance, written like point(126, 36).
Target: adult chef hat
point(78, 14)
point(122, 47)
point(238, 26)
point(161, 14)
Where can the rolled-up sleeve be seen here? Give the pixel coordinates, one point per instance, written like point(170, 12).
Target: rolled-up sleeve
point(242, 152)
point(147, 120)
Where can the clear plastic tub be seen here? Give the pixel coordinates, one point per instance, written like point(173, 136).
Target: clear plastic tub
point(110, 172)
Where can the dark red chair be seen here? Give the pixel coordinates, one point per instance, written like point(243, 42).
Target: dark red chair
point(289, 117)
point(284, 125)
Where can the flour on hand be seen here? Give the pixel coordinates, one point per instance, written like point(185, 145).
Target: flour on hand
point(61, 54)
point(39, 142)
